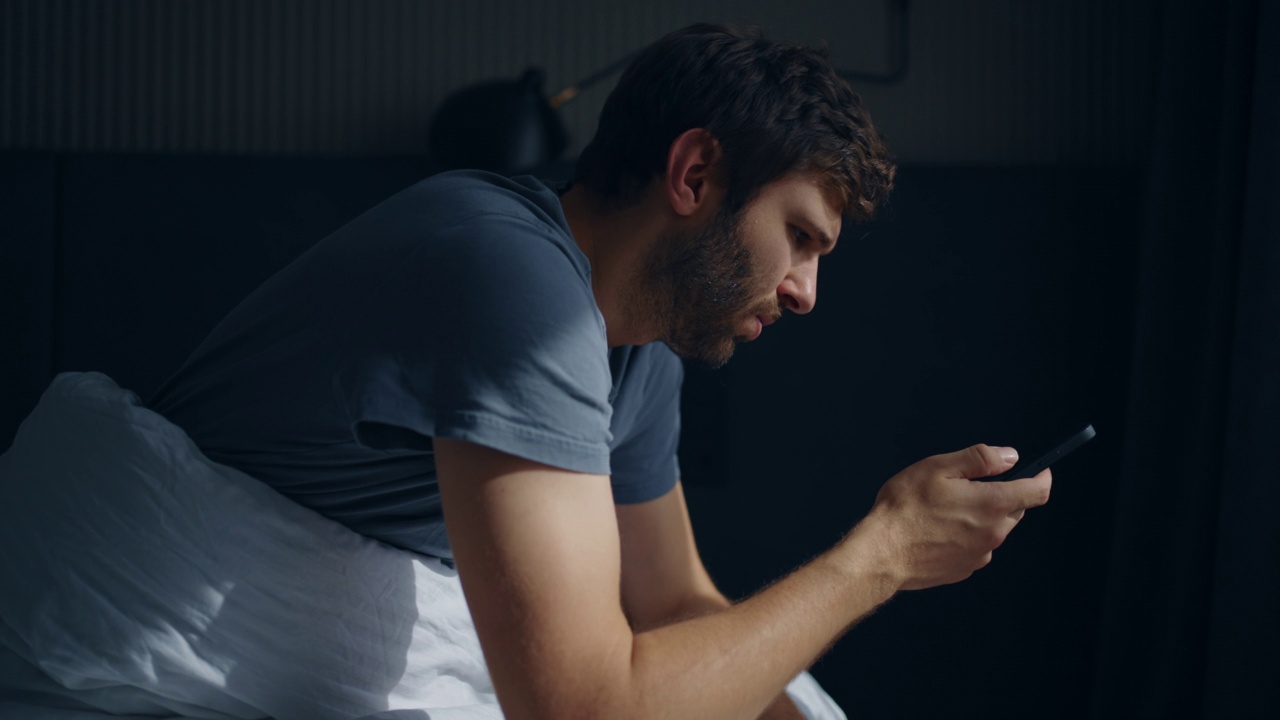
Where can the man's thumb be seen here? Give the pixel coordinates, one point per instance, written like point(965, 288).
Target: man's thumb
point(979, 461)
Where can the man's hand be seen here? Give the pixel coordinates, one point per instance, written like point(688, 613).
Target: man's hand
point(937, 525)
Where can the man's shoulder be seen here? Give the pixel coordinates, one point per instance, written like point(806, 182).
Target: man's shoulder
point(478, 196)
point(486, 220)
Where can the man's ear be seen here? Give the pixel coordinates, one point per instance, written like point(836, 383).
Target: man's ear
point(693, 170)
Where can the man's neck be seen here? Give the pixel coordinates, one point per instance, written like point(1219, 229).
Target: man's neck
point(616, 245)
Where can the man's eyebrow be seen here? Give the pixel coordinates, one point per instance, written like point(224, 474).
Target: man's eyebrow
point(828, 243)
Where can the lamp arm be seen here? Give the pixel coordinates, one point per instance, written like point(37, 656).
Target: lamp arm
point(572, 91)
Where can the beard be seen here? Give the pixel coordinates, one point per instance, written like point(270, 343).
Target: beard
point(697, 287)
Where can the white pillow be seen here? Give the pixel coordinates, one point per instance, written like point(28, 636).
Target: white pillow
point(141, 577)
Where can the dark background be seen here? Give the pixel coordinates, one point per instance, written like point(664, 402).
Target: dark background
point(1082, 232)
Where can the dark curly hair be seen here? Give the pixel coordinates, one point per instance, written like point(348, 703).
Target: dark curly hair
point(773, 108)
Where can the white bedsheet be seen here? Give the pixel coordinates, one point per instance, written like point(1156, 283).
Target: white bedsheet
point(140, 578)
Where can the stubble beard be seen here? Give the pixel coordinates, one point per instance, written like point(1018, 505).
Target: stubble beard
point(696, 288)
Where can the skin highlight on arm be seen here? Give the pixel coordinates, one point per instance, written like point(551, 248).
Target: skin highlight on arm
point(538, 552)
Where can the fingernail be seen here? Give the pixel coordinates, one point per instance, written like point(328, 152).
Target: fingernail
point(1009, 455)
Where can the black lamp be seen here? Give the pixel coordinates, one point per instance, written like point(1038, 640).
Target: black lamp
point(506, 126)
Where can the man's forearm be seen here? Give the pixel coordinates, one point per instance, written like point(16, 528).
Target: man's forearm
point(736, 662)
point(782, 708)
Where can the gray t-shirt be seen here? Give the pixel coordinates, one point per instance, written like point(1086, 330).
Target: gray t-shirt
point(461, 308)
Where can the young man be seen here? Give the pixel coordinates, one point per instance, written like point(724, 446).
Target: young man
point(500, 354)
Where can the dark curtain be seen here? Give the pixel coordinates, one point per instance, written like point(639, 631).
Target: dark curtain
point(1191, 621)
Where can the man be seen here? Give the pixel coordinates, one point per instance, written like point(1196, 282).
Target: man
point(500, 354)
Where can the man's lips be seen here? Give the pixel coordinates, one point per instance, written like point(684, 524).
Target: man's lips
point(762, 321)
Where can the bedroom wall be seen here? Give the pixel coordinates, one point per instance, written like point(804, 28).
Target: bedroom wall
point(990, 81)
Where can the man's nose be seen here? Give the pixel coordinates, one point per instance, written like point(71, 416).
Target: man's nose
point(799, 289)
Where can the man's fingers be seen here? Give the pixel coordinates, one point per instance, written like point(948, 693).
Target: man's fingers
point(1018, 495)
point(978, 461)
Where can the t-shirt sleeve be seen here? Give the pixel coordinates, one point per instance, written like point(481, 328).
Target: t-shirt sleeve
point(647, 427)
point(487, 333)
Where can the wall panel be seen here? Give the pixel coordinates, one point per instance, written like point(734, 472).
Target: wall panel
point(991, 81)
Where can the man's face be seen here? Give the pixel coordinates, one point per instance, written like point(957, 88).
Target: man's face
point(734, 276)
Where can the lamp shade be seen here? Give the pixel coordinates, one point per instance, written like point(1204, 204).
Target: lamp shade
point(505, 126)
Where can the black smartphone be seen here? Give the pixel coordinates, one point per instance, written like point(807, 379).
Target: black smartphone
point(1027, 469)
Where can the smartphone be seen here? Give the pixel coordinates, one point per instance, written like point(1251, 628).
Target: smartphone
point(1028, 469)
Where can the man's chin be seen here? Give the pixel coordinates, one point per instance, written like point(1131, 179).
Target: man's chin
point(710, 354)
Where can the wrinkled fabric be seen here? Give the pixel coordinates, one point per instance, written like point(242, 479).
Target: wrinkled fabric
point(142, 578)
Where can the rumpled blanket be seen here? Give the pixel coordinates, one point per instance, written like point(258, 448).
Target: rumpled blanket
point(141, 579)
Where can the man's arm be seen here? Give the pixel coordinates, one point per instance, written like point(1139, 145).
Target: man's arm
point(663, 578)
point(539, 556)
